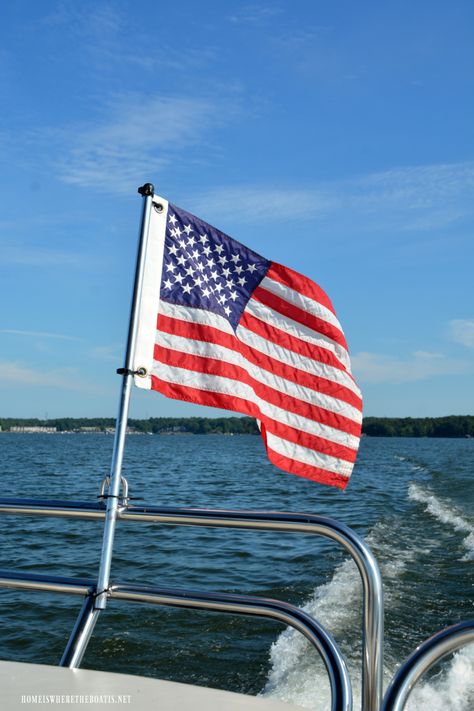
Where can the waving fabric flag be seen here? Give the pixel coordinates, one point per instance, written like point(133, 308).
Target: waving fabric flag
point(222, 326)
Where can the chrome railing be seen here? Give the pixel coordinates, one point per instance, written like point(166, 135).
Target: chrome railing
point(372, 627)
point(341, 692)
point(423, 658)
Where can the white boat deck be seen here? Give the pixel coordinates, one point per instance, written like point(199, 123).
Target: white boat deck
point(37, 685)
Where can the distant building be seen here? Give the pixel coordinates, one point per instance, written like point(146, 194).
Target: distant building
point(34, 430)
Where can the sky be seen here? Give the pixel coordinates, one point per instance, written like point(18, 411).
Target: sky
point(333, 137)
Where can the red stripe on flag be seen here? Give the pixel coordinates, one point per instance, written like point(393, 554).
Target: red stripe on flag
point(292, 343)
point(306, 470)
point(212, 366)
point(196, 331)
point(230, 402)
point(291, 434)
point(205, 397)
point(296, 314)
point(300, 283)
point(310, 441)
point(209, 334)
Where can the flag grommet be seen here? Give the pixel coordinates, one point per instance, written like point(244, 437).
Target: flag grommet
point(158, 207)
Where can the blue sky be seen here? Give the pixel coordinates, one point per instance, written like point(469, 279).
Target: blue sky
point(333, 137)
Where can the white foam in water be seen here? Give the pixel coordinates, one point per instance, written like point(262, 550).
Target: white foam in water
point(298, 677)
point(452, 690)
point(295, 676)
point(415, 467)
point(446, 513)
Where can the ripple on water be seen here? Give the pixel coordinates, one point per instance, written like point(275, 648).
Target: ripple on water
point(412, 499)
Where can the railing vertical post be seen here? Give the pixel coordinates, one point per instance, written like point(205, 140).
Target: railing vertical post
point(122, 418)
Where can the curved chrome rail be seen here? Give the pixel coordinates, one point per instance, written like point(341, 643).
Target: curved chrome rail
point(341, 692)
point(423, 658)
point(372, 628)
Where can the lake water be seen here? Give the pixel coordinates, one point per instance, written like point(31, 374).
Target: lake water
point(412, 499)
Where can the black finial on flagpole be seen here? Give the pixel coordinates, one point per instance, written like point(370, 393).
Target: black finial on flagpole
point(147, 189)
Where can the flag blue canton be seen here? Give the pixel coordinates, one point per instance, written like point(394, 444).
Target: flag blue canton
point(205, 268)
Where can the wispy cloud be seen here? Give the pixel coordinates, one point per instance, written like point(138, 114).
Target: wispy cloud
point(377, 368)
point(109, 41)
point(253, 14)
point(166, 58)
point(420, 186)
point(137, 135)
point(462, 331)
point(301, 40)
point(253, 204)
point(110, 353)
point(99, 20)
point(411, 198)
point(31, 256)
point(39, 334)
point(16, 375)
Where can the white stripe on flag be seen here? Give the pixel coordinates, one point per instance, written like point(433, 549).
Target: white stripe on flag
point(308, 456)
point(295, 360)
point(235, 388)
point(258, 343)
point(206, 318)
point(205, 349)
point(297, 330)
point(305, 303)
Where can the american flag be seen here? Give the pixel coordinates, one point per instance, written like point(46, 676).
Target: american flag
point(222, 326)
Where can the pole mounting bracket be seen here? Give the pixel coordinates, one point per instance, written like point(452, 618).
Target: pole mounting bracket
point(126, 371)
point(123, 499)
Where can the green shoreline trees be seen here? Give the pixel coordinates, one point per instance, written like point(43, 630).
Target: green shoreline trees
point(450, 426)
point(153, 425)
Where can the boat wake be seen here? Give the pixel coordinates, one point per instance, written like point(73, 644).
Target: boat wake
point(446, 513)
point(450, 690)
point(297, 676)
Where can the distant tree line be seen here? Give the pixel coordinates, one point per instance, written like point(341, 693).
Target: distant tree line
point(451, 426)
point(197, 425)
point(154, 425)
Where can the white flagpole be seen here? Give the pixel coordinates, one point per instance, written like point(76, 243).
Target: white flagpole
point(147, 191)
